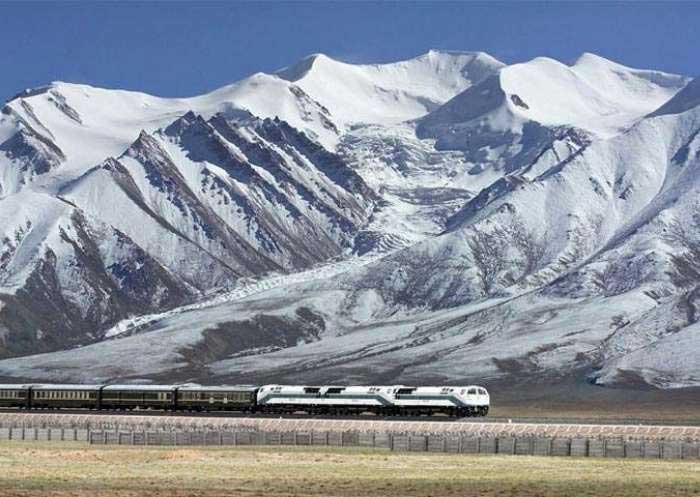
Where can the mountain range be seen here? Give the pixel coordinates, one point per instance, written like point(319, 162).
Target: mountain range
point(446, 218)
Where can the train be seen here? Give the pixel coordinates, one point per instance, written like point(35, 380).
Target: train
point(396, 400)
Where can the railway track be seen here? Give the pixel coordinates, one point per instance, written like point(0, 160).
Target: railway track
point(367, 417)
point(149, 420)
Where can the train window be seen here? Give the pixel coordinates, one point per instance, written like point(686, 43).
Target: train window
point(472, 391)
point(482, 391)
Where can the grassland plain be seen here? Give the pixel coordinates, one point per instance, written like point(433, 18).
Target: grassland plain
point(75, 470)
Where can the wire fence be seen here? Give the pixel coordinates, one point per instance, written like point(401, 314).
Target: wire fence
point(141, 422)
point(532, 446)
point(537, 446)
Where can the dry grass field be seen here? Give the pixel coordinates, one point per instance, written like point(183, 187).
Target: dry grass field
point(64, 469)
point(680, 406)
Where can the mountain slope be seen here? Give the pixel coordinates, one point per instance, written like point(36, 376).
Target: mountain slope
point(445, 219)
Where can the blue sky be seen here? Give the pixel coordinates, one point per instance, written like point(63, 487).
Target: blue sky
point(187, 48)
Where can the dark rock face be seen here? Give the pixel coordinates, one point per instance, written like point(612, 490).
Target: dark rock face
point(47, 314)
point(32, 153)
point(249, 337)
point(344, 204)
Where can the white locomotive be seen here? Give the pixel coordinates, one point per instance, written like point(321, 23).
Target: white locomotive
point(471, 400)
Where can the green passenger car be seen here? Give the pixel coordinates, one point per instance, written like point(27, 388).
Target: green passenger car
point(14, 396)
point(139, 396)
point(216, 398)
point(65, 396)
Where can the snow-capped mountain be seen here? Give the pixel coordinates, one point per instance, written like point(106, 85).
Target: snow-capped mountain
point(443, 218)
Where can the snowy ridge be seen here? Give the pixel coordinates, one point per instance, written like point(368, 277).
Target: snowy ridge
point(389, 93)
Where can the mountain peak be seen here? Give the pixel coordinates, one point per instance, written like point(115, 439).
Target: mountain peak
point(297, 71)
point(684, 100)
point(30, 92)
point(438, 52)
point(591, 58)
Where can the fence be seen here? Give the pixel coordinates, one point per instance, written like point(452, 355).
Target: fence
point(577, 447)
point(475, 428)
point(45, 434)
